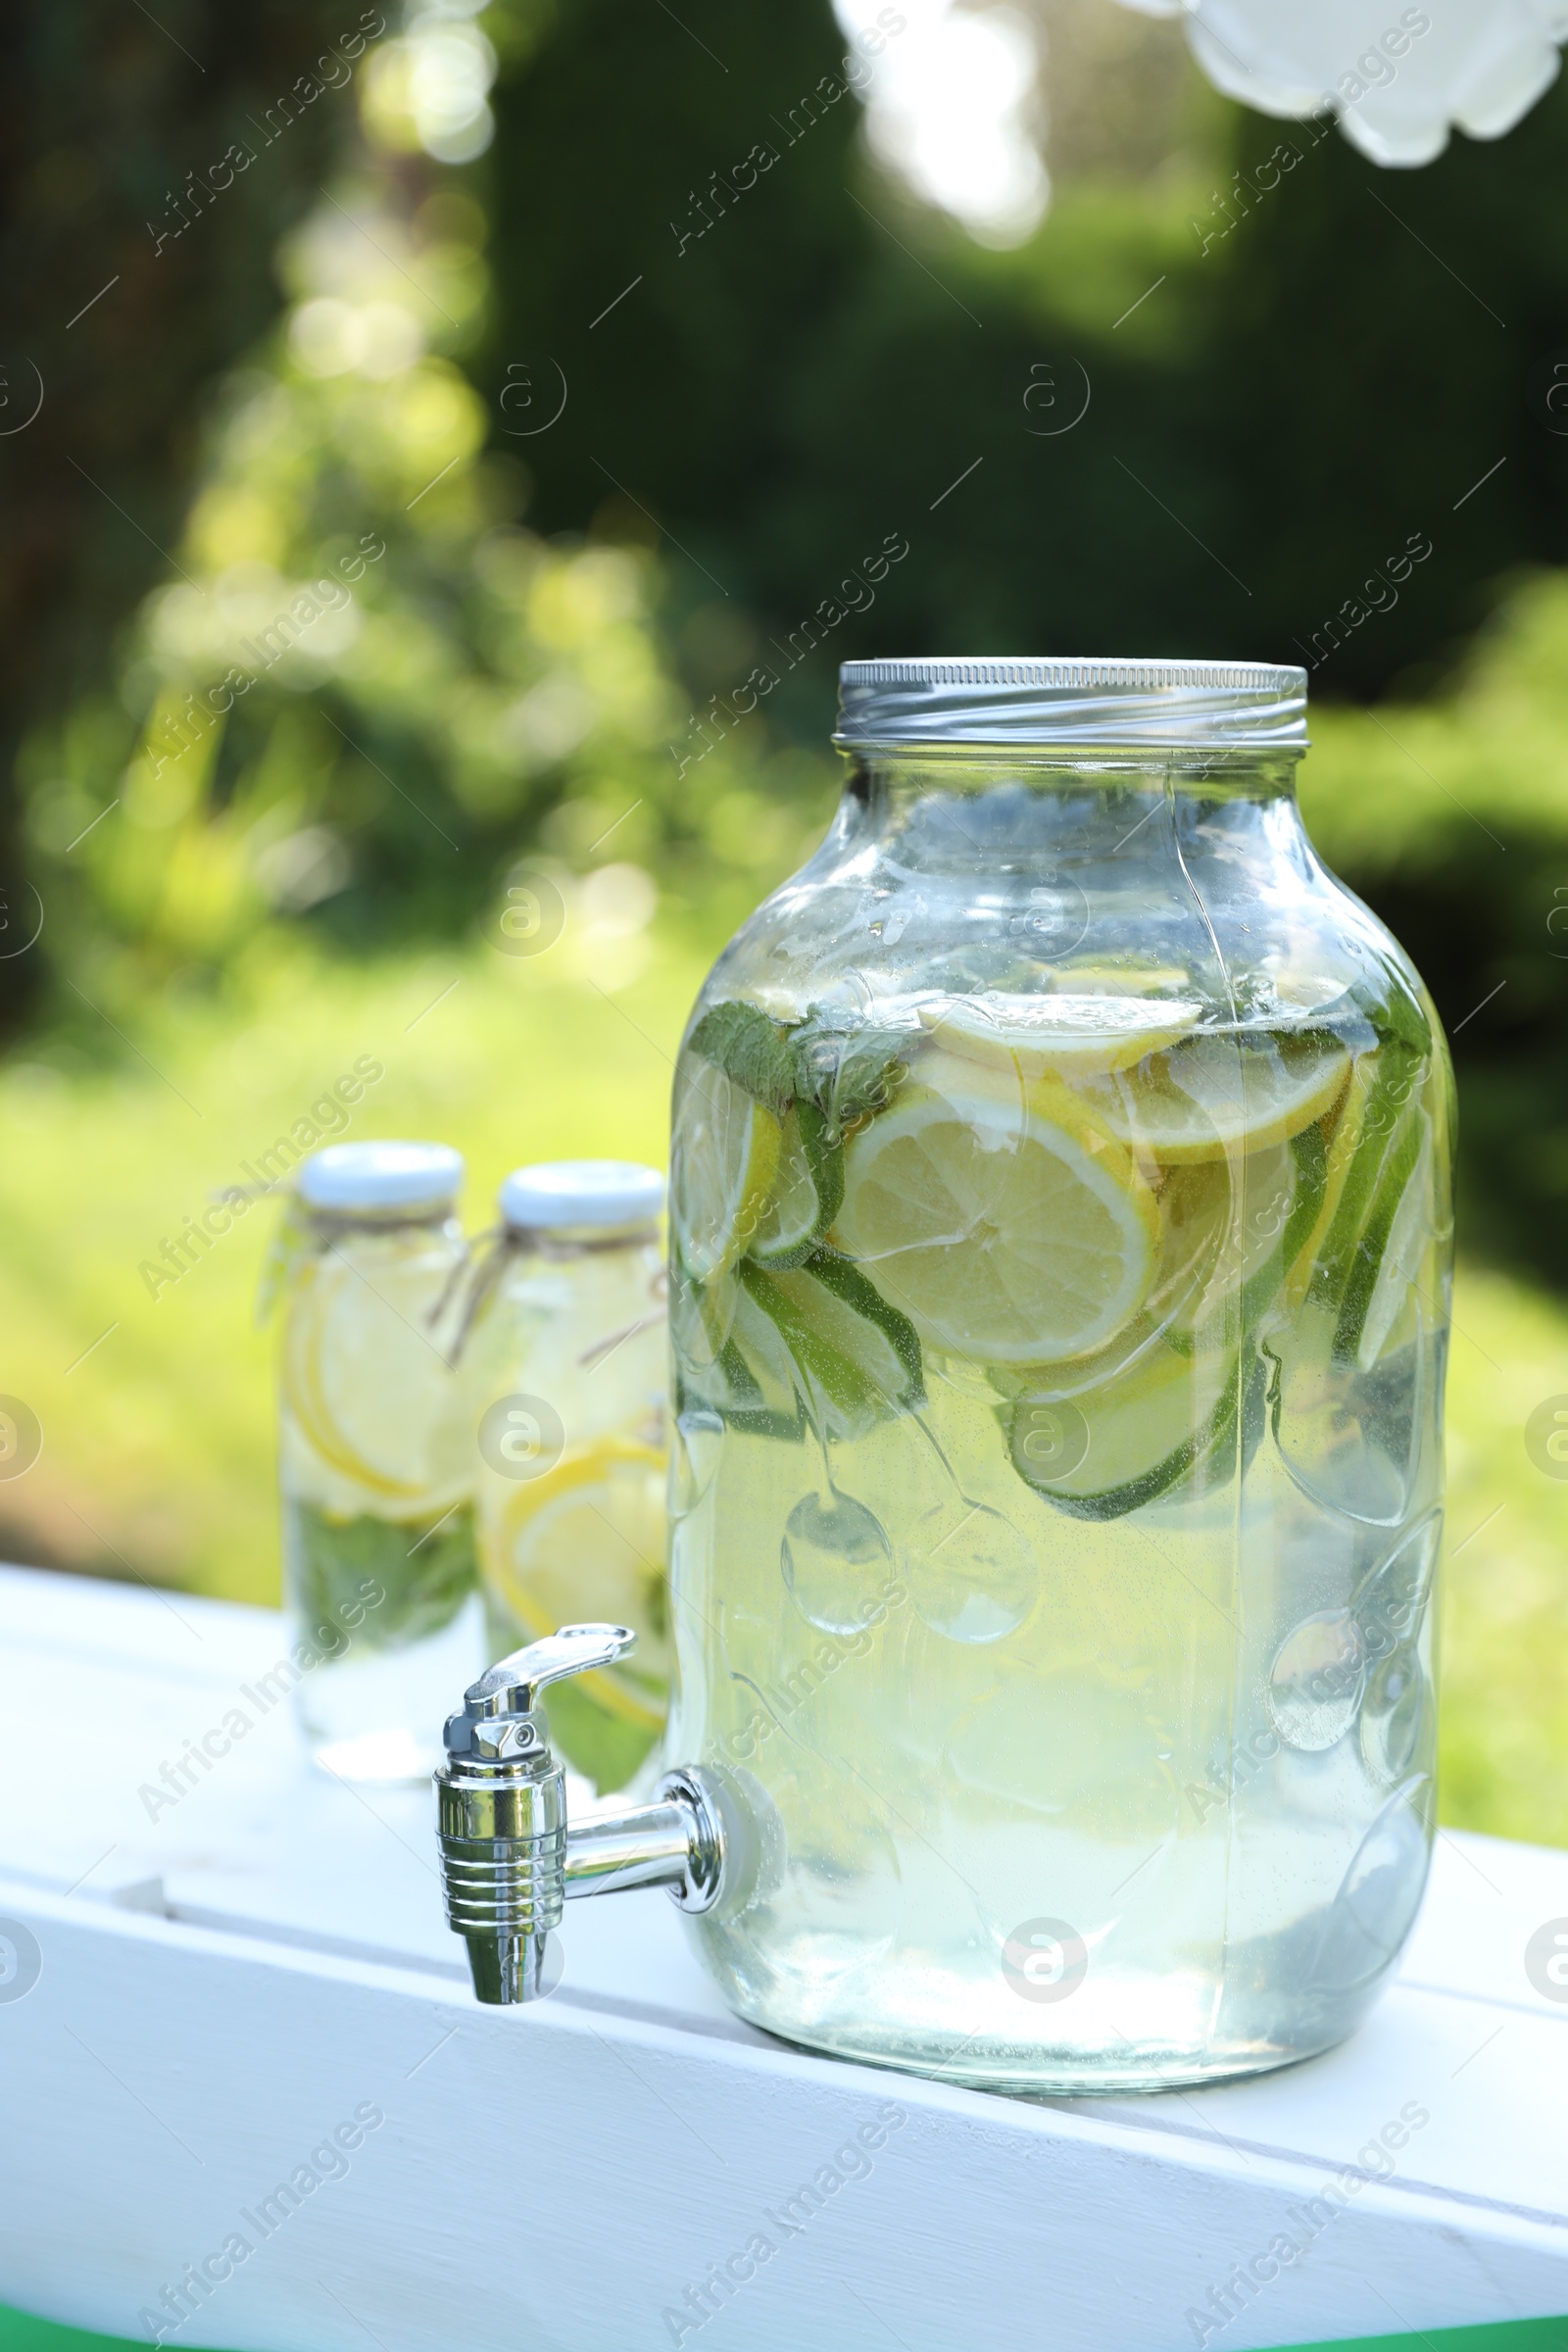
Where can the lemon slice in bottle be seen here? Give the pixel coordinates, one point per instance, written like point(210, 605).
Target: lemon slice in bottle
point(363, 1382)
point(1213, 1095)
point(1075, 1035)
point(585, 1544)
point(724, 1155)
point(1003, 1233)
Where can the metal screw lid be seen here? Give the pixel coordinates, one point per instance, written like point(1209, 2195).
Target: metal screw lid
point(1244, 706)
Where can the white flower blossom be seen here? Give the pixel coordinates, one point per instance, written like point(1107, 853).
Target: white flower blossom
point(1399, 77)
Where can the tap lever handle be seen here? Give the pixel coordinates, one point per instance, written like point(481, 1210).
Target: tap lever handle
point(513, 1684)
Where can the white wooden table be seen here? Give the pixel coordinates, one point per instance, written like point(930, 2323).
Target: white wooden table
point(224, 1986)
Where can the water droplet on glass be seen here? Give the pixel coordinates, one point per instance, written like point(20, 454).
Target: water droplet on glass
point(972, 1575)
point(832, 1557)
point(1314, 1685)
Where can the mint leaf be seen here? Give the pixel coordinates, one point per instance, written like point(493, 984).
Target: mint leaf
point(742, 1041)
point(847, 1069)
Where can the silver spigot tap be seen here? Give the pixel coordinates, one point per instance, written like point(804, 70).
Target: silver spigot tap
point(509, 1858)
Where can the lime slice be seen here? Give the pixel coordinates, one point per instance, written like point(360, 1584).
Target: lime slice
point(1216, 1094)
point(1003, 1234)
point(1112, 1449)
point(1377, 1274)
point(1344, 1134)
point(700, 1317)
point(807, 1190)
point(1076, 1036)
point(729, 1357)
point(1400, 1272)
point(725, 1155)
point(858, 1350)
point(1379, 1121)
point(367, 1389)
point(585, 1544)
point(789, 1220)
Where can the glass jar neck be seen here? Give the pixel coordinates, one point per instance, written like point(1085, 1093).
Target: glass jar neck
point(894, 778)
point(980, 808)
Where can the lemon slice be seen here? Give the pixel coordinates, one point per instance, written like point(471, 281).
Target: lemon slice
point(585, 1544)
point(1225, 1223)
point(1211, 1096)
point(1003, 1234)
point(725, 1155)
point(365, 1384)
point(1076, 1035)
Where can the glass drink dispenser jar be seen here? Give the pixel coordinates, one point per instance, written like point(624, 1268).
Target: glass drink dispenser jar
point(1060, 1247)
point(1060, 1241)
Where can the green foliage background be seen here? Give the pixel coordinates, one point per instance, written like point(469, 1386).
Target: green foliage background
point(358, 345)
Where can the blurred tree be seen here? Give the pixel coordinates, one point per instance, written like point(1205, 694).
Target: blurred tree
point(361, 685)
point(118, 134)
point(1323, 360)
point(709, 327)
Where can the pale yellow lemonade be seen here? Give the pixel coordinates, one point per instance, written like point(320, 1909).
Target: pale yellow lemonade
point(376, 1459)
point(1055, 1506)
point(566, 1371)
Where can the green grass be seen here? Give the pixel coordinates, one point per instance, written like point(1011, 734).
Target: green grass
point(156, 1444)
point(19, 2333)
